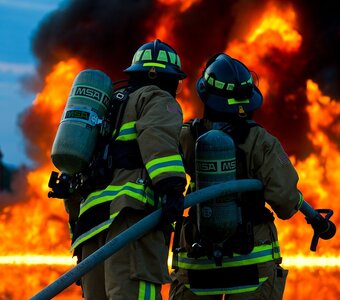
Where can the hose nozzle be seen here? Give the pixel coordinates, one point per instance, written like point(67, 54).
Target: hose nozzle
point(323, 227)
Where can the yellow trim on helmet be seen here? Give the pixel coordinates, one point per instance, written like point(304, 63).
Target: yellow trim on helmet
point(232, 101)
point(153, 64)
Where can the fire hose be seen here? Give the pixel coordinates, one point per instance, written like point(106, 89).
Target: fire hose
point(323, 228)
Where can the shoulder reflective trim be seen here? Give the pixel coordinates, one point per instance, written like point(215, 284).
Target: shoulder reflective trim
point(87, 235)
point(147, 55)
point(153, 64)
point(232, 101)
point(172, 163)
point(260, 254)
point(162, 56)
point(231, 290)
point(127, 132)
point(147, 291)
point(134, 190)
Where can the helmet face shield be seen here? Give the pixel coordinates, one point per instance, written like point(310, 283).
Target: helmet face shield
point(227, 86)
point(158, 57)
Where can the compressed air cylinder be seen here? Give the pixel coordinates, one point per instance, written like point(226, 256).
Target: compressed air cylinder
point(215, 154)
point(78, 131)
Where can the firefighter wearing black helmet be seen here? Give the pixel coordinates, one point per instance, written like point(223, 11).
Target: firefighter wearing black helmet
point(147, 174)
point(250, 266)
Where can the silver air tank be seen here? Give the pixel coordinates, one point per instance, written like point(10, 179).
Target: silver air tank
point(215, 153)
point(77, 134)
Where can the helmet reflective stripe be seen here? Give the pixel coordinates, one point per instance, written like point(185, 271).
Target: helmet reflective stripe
point(234, 101)
point(230, 86)
point(174, 58)
point(157, 55)
point(220, 84)
point(153, 64)
point(225, 79)
point(147, 55)
point(137, 56)
point(163, 55)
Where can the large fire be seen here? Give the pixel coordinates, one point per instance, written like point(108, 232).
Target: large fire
point(35, 238)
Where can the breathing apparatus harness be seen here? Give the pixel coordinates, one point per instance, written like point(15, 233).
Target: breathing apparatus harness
point(252, 204)
point(100, 170)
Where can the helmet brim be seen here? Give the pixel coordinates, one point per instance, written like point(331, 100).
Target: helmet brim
point(221, 104)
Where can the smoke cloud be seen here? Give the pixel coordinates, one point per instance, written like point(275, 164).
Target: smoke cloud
point(105, 34)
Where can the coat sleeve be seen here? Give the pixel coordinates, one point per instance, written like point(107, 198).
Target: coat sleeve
point(158, 128)
point(269, 163)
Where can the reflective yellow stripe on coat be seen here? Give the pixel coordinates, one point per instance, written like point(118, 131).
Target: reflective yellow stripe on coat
point(127, 132)
point(260, 254)
point(134, 190)
point(147, 291)
point(158, 166)
point(231, 290)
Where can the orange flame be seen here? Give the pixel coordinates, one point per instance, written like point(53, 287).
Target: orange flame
point(39, 225)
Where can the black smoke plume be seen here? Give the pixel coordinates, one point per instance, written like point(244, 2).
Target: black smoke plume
point(105, 34)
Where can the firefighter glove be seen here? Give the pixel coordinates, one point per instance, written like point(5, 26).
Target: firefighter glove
point(172, 208)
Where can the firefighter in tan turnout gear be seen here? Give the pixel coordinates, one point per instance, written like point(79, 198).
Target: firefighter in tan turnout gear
point(245, 265)
point(147, 173)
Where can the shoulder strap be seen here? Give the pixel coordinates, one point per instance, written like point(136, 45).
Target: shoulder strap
point(119, 101)
point(197, 127)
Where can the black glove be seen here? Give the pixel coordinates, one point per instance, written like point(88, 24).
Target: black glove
point(172, 209)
